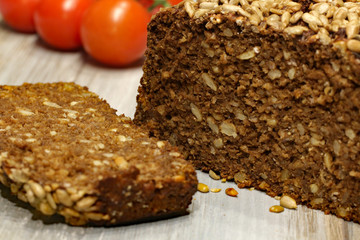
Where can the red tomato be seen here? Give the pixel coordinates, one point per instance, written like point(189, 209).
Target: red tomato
point(18, 14)
point(155, 9)
point(146, 3)
point(58, 22)
point(174, 2)
point(114, 31)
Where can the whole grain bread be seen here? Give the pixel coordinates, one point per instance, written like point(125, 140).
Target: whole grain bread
point(265, 92)
point(64, 150)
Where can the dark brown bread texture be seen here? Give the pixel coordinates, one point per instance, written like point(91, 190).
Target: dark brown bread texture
point(64, 150)
point(265, 92)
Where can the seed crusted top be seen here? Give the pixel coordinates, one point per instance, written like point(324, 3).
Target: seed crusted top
point(325, 19)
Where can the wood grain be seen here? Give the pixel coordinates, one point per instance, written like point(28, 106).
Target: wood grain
point(24, 58)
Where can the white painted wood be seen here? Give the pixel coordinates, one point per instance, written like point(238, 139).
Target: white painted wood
point(23, 58)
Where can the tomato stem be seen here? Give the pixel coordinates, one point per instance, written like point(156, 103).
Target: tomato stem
point(161, 3)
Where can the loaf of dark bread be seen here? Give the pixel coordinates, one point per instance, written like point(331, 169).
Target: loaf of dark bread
point(265, 92)
point(64, 150)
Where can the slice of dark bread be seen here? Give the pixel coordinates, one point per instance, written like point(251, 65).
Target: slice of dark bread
point(65, 151)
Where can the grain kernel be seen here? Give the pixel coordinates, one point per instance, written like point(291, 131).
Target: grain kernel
point(175, 154)
point(37, 189)
point(296, 17)
point(247, 55)
point(46, 209)
point(350, 134)
point(160, 144)
point(342, 212)
point(228, 33)
point(209, 81)
point(274, 74)
point(218, 143)
point(215, 190)
point(200, 12)
point(291, 73)
point(85, 203)
point(51, 104)
point(239, 177)
point(228, 129)
point(189, 8)
point(203, 188)
point(271, 122)
point(51, 201)
point(94, 216)
point(68, 212)
point(213, 175)
point(25, 112)
point(288, 202)
point(64, 197)
point(179, 178)
point(231, 192)
point(296, 30)
point(212, 124)
point(314, 188)
point(121, 162)
point(317, 201)
point(276, 209)
point(195, 110)
point(353, 45)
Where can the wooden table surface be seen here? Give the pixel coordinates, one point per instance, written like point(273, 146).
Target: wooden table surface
point(23, 58)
